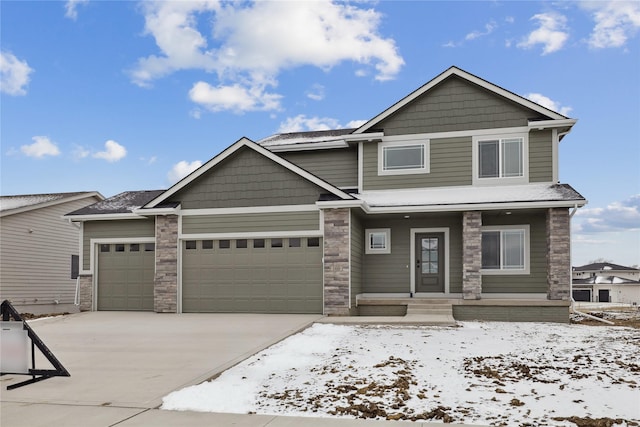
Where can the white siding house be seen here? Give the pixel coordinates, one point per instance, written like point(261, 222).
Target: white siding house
point(39, 250)
point(606, 282)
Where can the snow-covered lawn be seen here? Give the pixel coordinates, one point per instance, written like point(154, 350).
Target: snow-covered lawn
point(484, 373)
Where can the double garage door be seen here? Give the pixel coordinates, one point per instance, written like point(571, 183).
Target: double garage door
point(276, 275)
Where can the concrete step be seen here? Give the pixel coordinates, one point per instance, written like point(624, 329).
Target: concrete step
point(431, 314)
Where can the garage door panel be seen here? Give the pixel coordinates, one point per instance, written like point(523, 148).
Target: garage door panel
point(280, 279)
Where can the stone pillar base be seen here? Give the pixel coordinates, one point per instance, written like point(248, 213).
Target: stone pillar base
point(336, 249)
point(471, 255)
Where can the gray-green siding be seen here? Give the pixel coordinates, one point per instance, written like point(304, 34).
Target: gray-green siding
point(455, 105)
point(128, 228)
point(389, 273)
point(511, 313)
point(540, 156)
point(337, 166)
point(247, 178)
point(536, 281)
point(256, 222)
point(357, 253)
point(450, 164)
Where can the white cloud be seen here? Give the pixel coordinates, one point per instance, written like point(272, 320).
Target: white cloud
point(80, 152)
point(356, 123)
point(250, 43)
point(71, 8)
point(302, 123)
point(488, 29)
point(182, 169)
point(234, 98)
point(617, 216)
point(41, 147)
point(14, 74)
point(616, 21)
point(112, 153)
point(552, 33)
point(316, 92)
point(548, 103)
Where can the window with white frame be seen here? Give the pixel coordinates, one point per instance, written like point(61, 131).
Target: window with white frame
point(500, 159)
point(401, 157)
point(378, 241)
point(505, 249)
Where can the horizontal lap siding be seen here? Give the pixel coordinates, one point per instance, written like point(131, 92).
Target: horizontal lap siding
point(35, 267)
point(450, 165)
point(259, 222)
point(357, 253)
point(540, 156)
point(338, 166)
point(129, 228)
point(511, 314)
point(536, 281)
point(247, 178)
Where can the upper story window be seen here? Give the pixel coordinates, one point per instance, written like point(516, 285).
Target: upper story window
point(500, 160)
point(403, 156)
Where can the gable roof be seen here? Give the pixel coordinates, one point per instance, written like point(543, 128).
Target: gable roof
point(455, 71)
point(334, 138)
point(599, 266)
point(244, 142)
point(123, 203)
point(10, 205)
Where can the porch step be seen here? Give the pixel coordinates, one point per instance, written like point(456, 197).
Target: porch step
point(431, 314)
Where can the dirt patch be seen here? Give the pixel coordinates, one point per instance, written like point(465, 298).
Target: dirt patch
point(31, 316)
point(620, 317)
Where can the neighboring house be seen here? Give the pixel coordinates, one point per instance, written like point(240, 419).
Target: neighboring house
point(452, 194)
point(606, 282)
point(39, 250)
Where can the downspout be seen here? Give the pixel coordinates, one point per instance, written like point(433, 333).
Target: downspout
point(571, 307)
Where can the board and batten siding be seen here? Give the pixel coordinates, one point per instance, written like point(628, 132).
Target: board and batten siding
point(449, 164)
point(357, 254)
point(247, 223)
point(336, 166)
point(35, 255)
point(541, 156)
point(247, 178)
point(455, 105)
point(126, 229)
point(390, 273)
point(536, 281)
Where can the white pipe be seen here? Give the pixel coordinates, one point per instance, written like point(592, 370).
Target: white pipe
point(590, 316)
point(76, 300)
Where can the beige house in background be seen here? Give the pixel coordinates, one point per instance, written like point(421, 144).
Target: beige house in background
point(39, 250)
point(606, 282)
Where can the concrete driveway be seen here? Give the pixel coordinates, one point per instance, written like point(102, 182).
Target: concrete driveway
point(123, 363)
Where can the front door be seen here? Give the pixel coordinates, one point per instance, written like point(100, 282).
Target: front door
point(429, 262)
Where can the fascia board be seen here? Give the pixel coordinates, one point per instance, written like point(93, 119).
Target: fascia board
point(336, 204)
point(307, 146)
point(157, 211)
point(52, 203)
point(103, 217)
point(476, 207)
point(551, 124)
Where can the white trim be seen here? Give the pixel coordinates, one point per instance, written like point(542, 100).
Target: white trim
point(368, 250)
point(361, 137)
point(337, 204)
point(527, 250)
point(408, 141)
point(81, 247)
point(479, 206)
point(555, 142)
point(250, 235)
point(158, 211)
point(360, 166)
point(245, 142)
point(447, 255)
point(466, 76)
point(104, 217)
point(250, 210)
point(475, 160)
point(50, 203)
point(550, 124)
point(305, 146)
point(110, 240)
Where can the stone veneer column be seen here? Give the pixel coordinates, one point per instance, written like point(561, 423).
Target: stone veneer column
point(471, 254)
point(86, 292)
point(558, 254)
point(165, 289)
point(336, 249)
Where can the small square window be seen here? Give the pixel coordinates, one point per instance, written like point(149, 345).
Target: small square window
point(241, 244)
point(224, 244)
point(134, 247)
point(75, 266)
point(313, 242)
point(258, 243)
point(119, 247)
point(149, 247)
point(105, 248)
point(190, 244)
point(207, 244)
point(276, 243)
point(378, 241)
point(294, 242)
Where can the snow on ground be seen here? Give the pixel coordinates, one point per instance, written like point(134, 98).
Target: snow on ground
point(479, 373)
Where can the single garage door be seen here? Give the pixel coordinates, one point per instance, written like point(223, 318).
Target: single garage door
point(125, 276)
point(582, 295)
point(252, 275)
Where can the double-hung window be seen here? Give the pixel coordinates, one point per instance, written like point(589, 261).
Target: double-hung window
point(505, 249)
point(403, 156)
point(500, 159)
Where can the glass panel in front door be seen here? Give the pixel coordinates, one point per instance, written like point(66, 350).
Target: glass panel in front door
point(430, 255)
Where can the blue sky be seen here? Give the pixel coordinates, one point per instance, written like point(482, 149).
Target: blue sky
point(120, 95)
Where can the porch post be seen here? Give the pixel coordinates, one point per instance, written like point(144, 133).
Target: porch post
point(336, 248)
point(471, 254)
point(165, 289)
point(558, 254)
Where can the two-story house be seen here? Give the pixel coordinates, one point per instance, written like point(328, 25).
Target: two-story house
point(451, 194)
